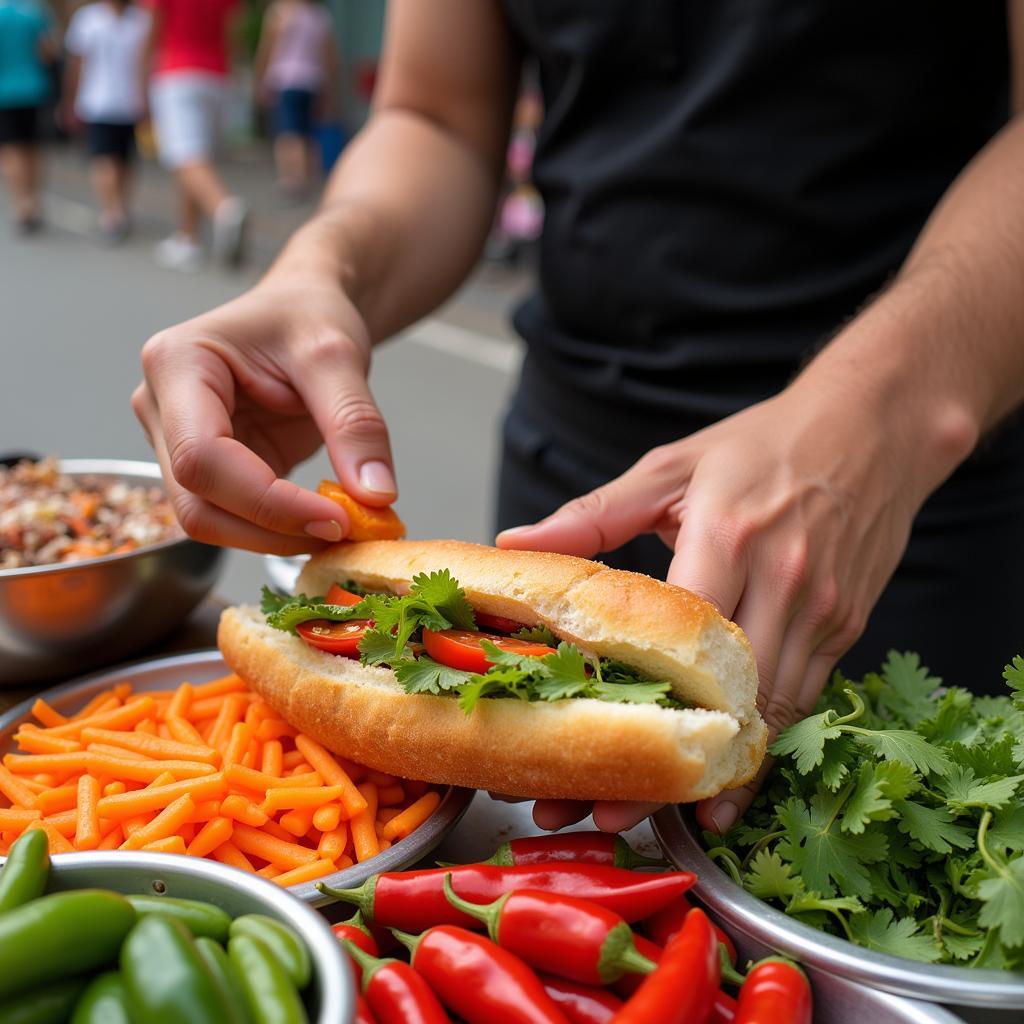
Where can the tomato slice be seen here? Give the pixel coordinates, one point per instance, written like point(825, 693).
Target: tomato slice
point(498, 622)
point(462, 648)
point(339, 595)
point(334, 637)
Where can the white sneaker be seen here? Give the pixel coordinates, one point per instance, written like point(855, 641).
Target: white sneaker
point(179, 252)
point(229, 224)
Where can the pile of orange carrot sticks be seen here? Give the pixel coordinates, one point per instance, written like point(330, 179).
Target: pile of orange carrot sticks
point(209, 770)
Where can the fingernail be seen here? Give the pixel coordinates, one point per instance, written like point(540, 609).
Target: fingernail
point(377, 476)
point(514, 530)
point(725, 815)
point(327, 530)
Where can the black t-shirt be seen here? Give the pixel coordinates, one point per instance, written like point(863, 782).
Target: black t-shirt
point(727, 181)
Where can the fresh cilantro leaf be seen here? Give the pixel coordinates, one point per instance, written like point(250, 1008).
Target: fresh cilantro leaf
point(909, 686)
point(378, 648)
point(770, 877)
point(806, 740)
point(868, 802)
point(811, 902)
point(479, 686)
point(424, 675)
point(818, 850)
point(1014, 676)
point(994, 757)
point(632, 693)
point(564, 674)
point(962, 789)
point(906, 746)
point(442, 601)
point(1007, 831)
point(1003, 896)
point(932, 827)
point(537, 635)
point(501, 658)
point(303, 609)
point(899, 936)
point(961, 947)
point(272, 601)
point(953, 720)
point(835, 765)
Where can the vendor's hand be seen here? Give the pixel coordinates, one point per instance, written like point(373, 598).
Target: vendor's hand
point(789, 517)
point(609, 815)
point(235, 398)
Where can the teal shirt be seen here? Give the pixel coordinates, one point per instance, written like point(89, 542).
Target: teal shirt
point(24, 79)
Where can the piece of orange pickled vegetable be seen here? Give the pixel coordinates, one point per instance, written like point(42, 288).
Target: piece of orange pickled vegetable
point(364, 521)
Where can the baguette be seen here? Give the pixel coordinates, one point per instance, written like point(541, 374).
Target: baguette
point(578, 748)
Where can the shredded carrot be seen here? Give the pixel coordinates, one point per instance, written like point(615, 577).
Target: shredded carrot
point(126, 717)
point(332, 773)
point(272, 758)
point(151, 746)
point(165, 778)
point(252, 754)
point(180, 702)
point(292, 760)
point(87, 828)
point(297, 821)
point(238, 743)
point(184, 731)
point(206, 810)
point(269, 871)
point(165, 824)
point(388, 796)
point(114, 788)
point(126, 805)
point(36, 741)
point(13, 819)
point(274, 729)
point(380, 779)
point(275, 829)
point(218, 687)
point(238, 808)
point(214, 833)
point(109, 748)
point(147, 727)
point(15, 790)
point(63, 798)
point(105, 701)
point(49, 716)
point(301, 796)
point(132, 825)
point(332, 844)
point(56, 841)
point(228, 853)
point(363, 825)
point(169, 844)
point(258, 844)
point(188, 832)
point(112, 840)
point(306, 873)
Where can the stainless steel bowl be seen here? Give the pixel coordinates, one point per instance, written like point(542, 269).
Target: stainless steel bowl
point(64, 619)
point(980, 996)
point(331, 996)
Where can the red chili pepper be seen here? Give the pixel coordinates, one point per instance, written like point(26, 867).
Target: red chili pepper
point(577, 847)
point(364, 1015)
point(572, 938)
point(480, 982)
point(395, 992)
point(662, 925)
point(775, 992)
point(682, 989)
point(356, 932)
point(724, 1010)
point(582, 1004)
point(415, 900)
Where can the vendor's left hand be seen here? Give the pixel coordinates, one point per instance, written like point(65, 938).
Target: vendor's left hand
point(609, 815)
point(789, 517)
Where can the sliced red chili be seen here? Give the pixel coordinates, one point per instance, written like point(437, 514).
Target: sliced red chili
point(498, 622)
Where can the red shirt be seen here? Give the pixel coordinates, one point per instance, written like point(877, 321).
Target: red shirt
point(193, 35)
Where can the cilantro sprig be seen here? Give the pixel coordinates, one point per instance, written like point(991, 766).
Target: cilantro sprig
point(893, 818)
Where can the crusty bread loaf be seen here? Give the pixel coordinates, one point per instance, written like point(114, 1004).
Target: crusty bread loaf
point(664, 631)
point(575, 749)
point(580, 748)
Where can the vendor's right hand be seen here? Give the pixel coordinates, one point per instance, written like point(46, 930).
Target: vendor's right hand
point(235, 398)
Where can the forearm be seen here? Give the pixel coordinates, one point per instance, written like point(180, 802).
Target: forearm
point(402, 222)
point(940, 354)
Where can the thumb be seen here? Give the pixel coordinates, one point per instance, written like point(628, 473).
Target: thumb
point(339, 400)
point(606, 518)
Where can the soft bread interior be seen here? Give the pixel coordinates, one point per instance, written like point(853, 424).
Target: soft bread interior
point(662, 630)
point(578, 749)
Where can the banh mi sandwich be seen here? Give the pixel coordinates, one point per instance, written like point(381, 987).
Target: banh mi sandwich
point(525, 673)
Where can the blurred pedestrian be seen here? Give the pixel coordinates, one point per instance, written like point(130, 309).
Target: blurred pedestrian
point(297, 77)
point(27, 47)
point(105, 92)
point(189, 98)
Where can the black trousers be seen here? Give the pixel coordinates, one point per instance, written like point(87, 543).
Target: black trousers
point(957, 598)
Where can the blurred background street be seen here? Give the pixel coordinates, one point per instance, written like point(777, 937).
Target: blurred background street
point(76, 313)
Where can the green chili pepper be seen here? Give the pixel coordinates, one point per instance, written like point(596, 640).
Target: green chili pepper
point(49, 1005)
point(198, 918)
point(223, 969)
point(105, 1001)
point(59, 935)
point(281, 941)
point(269, 990)
point(23, 877)
point(167, 980)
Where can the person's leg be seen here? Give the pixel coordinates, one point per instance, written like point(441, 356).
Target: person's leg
point(200, 181)
point(292, 162)
point(106, 183)
point(16, 161)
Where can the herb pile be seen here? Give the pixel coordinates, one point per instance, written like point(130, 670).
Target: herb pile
point(893, 818)
point(437, 602)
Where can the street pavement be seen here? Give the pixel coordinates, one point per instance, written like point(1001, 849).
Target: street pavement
point(74, 315)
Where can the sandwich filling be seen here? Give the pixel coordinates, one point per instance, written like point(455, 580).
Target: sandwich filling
point(435, 643)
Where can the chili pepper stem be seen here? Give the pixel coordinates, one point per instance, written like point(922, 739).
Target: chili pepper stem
point(489, 914)
point(356, 921)
point(409, 941)
point(730, 975)
point(370, 964)
point(361, 897)
point(627, 857)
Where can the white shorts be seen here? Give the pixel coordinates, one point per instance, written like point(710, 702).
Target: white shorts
point(188, 115)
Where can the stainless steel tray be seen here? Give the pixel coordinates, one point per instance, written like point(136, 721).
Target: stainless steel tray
point(166, 674)
point(758, 929)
